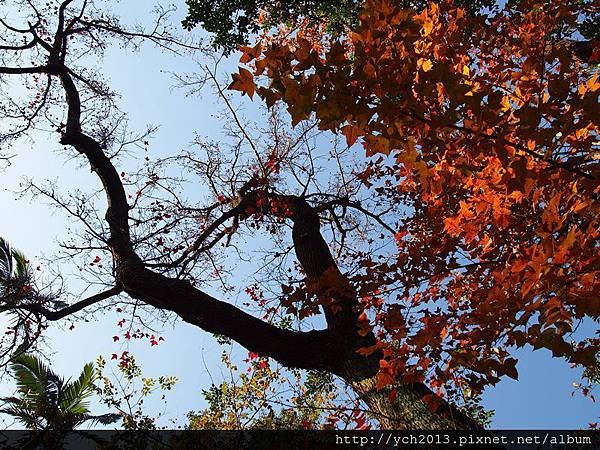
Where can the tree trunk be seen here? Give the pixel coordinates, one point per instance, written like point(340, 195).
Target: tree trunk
point(401, 407)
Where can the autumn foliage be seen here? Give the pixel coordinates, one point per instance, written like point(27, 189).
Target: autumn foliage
point(485, 135)
point(436, 205)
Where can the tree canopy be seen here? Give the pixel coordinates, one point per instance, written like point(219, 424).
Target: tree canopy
point(427, 182)
point(233, 22)
point(488, 132)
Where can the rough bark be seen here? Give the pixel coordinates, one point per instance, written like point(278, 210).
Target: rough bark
point(404, 409)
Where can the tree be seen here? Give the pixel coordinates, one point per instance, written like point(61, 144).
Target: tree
point(253, 399)
point(250, 400)
point(128, 392)
point(232, 22)
point(47, 402)
point(495, 159)
point(409, 303)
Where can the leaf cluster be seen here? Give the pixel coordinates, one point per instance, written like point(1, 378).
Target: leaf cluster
point(232, 22)
point(45, 401)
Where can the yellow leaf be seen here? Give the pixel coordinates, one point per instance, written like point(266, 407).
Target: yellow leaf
point(427, 26)
point(425, 64)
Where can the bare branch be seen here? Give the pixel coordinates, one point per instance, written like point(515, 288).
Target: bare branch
point(76, 307)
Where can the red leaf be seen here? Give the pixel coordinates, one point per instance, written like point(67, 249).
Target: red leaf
point(432, 401)
point(364, 326)
point(392, 395)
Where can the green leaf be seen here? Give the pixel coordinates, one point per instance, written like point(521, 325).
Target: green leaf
point(75, 394)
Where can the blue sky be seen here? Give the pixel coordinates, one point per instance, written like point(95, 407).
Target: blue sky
point(540, 399)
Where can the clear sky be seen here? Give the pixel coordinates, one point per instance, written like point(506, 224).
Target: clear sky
point(540, 399)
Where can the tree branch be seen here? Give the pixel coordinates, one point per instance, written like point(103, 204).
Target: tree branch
point(76, 307)
point(309, 350)
point(23, 70)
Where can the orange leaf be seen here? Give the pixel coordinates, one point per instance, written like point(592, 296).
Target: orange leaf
point(244, 82)
point(249, 53)
point(376, 144)
point(352, 133)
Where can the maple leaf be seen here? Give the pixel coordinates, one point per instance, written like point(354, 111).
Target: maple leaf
point(393, 395)
point(452, 226)
point(424, 64)
point(376, 144)
point(364, 326)
point(384, 379)
point(243, 82)
point(250, 53)
point(352, 133)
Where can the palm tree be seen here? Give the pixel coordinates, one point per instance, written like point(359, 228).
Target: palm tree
point(45, 401)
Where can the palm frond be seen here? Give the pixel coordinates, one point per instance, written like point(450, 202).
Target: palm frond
point(46, 401)
point(14, 402)
point(21, 269)
point(24, 415)
point(15, 276)
point(75, 394)
point(35, 379)
point(6, 261)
